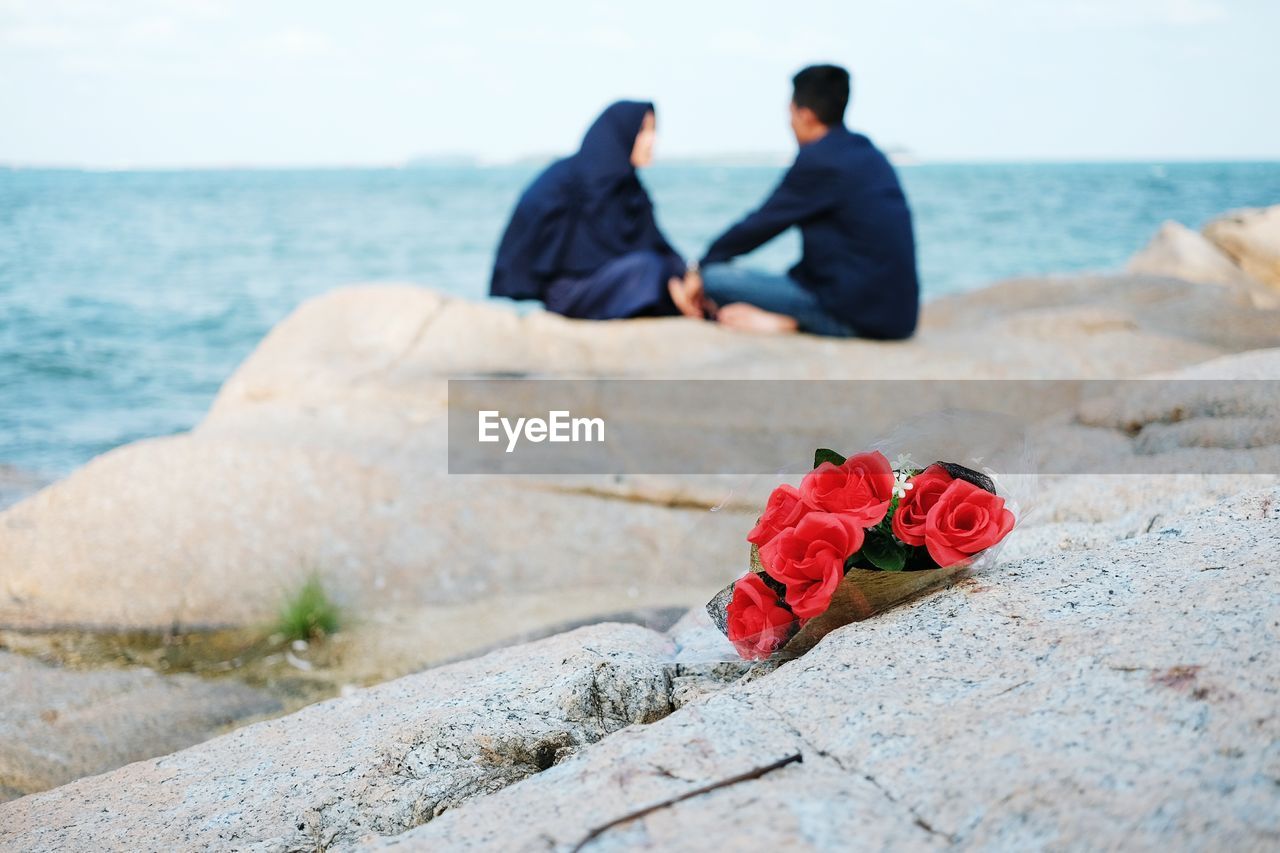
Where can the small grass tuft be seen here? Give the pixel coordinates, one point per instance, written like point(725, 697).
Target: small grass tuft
point(308, 614)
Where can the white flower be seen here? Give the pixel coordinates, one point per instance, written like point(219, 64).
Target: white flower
point(903, 462)
point(900, 484)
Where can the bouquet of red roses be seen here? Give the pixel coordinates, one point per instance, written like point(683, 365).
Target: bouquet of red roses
point(859, 535)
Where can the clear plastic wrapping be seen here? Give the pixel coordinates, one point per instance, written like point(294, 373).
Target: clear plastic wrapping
point(854, 536)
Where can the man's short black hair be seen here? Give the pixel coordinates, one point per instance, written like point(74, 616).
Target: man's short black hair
point(823, 89)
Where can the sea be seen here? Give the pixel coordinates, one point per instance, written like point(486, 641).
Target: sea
point(128, 297)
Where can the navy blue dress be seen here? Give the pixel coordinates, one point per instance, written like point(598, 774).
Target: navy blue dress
point(583, 238)
point(859, 257)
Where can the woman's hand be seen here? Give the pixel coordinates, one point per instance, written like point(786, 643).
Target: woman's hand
point(688, 295)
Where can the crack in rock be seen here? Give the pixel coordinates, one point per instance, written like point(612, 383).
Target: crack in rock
point(378, 763)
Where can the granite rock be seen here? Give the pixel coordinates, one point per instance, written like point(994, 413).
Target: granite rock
point(325, 453)
point(379, 760)
point(1123, 696)
point(57, 724)
point(1118, 695)
point(1179, 252)
point(1252, 238)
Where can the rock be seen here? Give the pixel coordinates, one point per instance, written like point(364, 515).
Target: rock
point(1095, 697)
point(325, 454)
point(57, 725)
point(1084, 320)
point(1142, 432)
point(1118, 697)
point(1217, 418)
point(992, 713)
point(1179, 252)
point(1252, 238)
point(201, 531)
point(989, 714)
point(1255, 364)
point(1082, 512)
point(380, 760)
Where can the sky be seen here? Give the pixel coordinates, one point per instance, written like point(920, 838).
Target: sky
point(160, 83)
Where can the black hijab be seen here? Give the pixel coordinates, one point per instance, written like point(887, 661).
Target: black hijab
point(581, 212)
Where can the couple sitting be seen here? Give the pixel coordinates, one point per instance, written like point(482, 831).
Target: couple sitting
point(583, 238)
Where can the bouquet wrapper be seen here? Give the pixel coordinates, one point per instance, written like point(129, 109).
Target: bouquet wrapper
point(862, 594)
point(960, 455)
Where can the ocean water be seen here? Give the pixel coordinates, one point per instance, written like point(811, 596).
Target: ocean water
point(126, 298)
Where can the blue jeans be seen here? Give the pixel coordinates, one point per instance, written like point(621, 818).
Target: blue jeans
point(726, 283)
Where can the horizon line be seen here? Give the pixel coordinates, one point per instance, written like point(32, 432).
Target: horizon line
point(728, 159)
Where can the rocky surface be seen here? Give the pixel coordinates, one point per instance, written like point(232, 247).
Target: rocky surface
point(57, 724)
point(1179, 252)
point(1252, 239)
point(1118, 696)
point(1240, 250)
point(325, 454)
point(1170, 576)
point(380, 760)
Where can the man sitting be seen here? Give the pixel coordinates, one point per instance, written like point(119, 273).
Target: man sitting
point(857, 273)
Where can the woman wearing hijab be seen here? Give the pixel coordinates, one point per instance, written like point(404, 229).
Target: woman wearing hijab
point(583, 238)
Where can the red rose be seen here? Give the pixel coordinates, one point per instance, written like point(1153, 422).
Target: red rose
point(964, 521)
point(926, 488)
point(758, 623)
point(859, 490)
point(809, 559)
point(782, 511)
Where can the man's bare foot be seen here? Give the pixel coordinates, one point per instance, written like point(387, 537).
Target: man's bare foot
point(749, 318)
point(686, 293)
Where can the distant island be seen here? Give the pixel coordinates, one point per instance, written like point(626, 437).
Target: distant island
point(899, 155)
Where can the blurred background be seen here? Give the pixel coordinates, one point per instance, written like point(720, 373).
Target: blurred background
point(176, 176)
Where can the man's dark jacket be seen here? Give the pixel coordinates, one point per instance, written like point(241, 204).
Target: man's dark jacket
point(859, 252)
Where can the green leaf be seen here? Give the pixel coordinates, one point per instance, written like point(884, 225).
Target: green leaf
point(883, 551)
point(822, 454)
point(756, 565)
